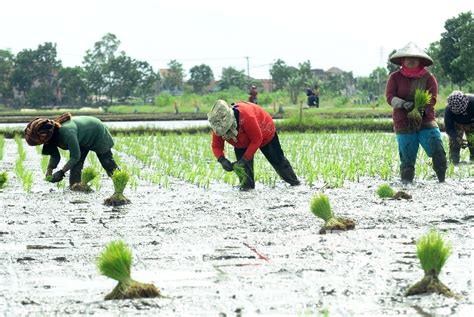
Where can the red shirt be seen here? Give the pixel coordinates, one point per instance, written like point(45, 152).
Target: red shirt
point(256, 129)
point(400, 86)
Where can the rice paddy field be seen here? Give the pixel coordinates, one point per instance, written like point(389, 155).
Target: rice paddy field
point(216, 251)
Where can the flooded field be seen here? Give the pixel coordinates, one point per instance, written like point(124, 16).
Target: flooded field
point(219, 252)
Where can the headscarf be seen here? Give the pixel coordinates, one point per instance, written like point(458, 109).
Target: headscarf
point(40, 130)
point(222, 121)
point(457, 102)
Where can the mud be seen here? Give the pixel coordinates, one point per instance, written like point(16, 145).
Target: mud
point(222, 251)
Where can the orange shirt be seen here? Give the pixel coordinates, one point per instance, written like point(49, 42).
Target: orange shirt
point(256, 129)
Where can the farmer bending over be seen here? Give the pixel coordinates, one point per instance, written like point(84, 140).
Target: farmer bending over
point(400, 92)
point(247, 127)
point(79, 135)
point(459, 119)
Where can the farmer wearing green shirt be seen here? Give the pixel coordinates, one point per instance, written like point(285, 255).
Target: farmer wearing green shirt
point(79, 135)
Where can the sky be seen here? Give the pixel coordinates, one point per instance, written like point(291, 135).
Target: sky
point(352, 35)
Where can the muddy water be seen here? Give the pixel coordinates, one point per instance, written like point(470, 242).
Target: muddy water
point(221, 251)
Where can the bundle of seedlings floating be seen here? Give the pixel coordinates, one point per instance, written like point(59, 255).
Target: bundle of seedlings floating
point(385, 191)
point(88, 175)
point(115, 262)
point(321, 208)
point(120, 180)
point(422, 98)
point(433, 253)
point(3, 179)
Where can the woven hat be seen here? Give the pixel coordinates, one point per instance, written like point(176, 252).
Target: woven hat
point(411, 50)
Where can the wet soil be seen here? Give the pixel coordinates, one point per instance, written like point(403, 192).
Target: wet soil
point(220, 251)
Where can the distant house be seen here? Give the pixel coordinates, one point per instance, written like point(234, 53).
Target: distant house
point(267, 84)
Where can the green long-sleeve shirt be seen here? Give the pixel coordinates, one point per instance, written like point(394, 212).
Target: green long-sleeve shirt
point(80, 132)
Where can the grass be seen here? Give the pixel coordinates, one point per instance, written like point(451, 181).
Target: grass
point(115, 262)
point(385, 191)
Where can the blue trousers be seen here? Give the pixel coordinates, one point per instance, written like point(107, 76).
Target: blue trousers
point(408, 144)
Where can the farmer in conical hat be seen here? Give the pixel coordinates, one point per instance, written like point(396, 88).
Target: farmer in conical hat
point(79, 135)
point(459, 120)
point(248, 128)
point(400, 92)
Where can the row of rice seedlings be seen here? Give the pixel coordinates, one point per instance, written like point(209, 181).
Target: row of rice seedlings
point(23, 174)
point(330, 158)
point(2, 145)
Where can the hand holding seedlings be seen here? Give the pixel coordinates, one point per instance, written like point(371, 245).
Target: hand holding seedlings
point(57, 176)
point(321, 208)
point(115, 262)
point(433, 253)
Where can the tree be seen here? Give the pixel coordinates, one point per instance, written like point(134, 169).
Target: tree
point(232, 77)
point(173, 80)
point(6, 71)
point(434, 52)
point(295, 84)
point(201, 77)
point(96, 63)
point(456, 48)
point(73, 87)
point(148, 79)
point(37, 69)
point(391, 67)
point(304, 72)
point(280, 73)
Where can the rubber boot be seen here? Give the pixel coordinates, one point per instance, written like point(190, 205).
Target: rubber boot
point(439, 160)
point(286, 173)
point(407, 174)
point(75, 174)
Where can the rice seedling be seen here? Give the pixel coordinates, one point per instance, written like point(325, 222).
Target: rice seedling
point(115, 262)
point(120, 180)
point(422, 98)
point(2, 143)
point(88, 174)
point(385, 191)
point(433, 253)
point(3, 178)
point(321, 208)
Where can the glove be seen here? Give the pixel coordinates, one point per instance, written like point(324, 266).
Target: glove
point(226, 164)
point(422, 111)
point(58, 176)
point(408, 105)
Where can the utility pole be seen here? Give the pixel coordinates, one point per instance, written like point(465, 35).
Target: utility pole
point(248, 67)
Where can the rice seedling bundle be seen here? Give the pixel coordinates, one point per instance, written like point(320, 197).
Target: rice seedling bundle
point(88, 174)
point(120, 180)
point(3, 179)
point(433, 253)
point(115, 262)
point(422, 98)
point(321, 208)
point(385, 191)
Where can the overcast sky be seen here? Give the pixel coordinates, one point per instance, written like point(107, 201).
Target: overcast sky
point(352, 35)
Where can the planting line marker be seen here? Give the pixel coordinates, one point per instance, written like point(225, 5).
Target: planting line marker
point(260, 256)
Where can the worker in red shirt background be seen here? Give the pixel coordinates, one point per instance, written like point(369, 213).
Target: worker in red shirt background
point(248, 128)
